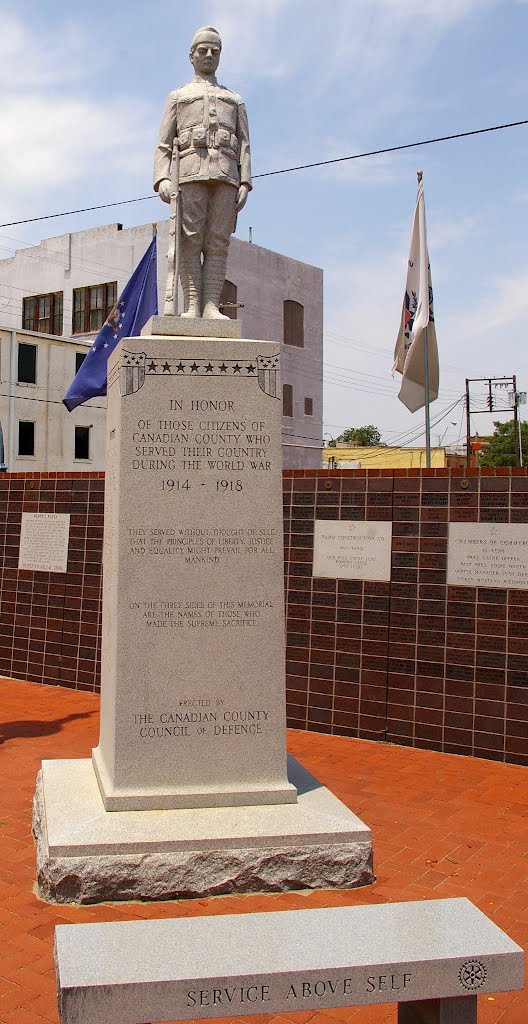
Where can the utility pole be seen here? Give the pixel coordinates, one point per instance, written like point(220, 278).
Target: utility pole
point(518, 445)
point(516, 398)
point(519, 398)
point(3, 467)
point(468, 426)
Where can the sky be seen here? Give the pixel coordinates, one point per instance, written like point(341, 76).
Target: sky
point(83, 89)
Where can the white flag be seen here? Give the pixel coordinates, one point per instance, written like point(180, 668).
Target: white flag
point(417, 315)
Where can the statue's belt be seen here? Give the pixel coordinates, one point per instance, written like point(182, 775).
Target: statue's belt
point(202, 138)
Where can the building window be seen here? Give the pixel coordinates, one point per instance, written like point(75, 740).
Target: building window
point(308, 406)
point(43, 313)
point(26, 437)
point(82, 442)
point(228, 300)
point(92, 305)
point(287, 400)
point(27, 364)
point(79, 360)
point(293, 323)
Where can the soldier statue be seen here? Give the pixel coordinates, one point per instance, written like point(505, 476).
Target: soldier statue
point(202, 167)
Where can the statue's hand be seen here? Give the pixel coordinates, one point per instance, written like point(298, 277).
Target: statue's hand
point(165, 189)
point(241, 198)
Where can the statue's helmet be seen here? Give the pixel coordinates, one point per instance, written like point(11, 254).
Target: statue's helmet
point(207, 34)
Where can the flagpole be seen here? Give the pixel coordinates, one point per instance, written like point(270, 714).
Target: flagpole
point(427, 416)
point(426, 384)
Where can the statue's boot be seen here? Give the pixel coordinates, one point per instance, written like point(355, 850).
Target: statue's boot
point(214, 270)
point(191, 273)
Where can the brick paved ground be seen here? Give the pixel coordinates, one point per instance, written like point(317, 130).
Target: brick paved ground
point(443, 826)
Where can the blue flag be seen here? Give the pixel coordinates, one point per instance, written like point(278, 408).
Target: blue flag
point(136, 304)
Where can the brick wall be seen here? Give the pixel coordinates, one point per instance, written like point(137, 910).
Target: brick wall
point(50, 623)
point(409, 661)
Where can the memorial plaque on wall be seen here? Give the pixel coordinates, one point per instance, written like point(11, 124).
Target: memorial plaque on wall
point(44, 541)
point(352, 550)
point(488, 555)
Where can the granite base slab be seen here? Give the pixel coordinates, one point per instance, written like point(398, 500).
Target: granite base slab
point(88, 855)
point(191, 327)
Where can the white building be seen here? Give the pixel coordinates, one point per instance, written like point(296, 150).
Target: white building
point(55, 296)
point(39, 434)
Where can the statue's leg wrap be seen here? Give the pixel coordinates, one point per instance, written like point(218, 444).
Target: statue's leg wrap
point(191, 280)
point(194, 202)
point(219, 227)
point(213, 281)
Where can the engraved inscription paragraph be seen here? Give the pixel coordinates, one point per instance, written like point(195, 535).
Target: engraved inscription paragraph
point(44, 540)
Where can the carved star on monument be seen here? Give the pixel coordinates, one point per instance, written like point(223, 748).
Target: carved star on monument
point(152, 366)
point(236, 368)
point(223, 368)
point(251, 368)
point(166, 367)
point(194, 367)
point(180, 368)
point(209, 368)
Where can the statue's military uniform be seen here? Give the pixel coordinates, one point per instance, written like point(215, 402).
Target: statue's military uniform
point(210, 125)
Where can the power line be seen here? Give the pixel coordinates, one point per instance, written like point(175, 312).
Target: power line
point(45, 401)
point(287, 170)
point(88, 408)
point(392, 149)
point(381, 451)
point(406, 437)
point(347, 377)
point(385, 353)
point(300, 437)
point(460, 426)
point(65, 260)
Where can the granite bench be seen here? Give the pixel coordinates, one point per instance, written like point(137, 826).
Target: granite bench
point(431, 957)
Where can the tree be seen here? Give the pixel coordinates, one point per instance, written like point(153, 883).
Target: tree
point(502, 448)
point(364, 437)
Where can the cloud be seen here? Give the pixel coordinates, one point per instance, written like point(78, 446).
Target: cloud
point(362, 306)
point(53, 133)
point(69, 138)
point(442, 233)
point(505, 307)
point(363, 300)
point(250, 33)
point(364, 36)
point(375, 170)
point(371, 38)
point(439, 11)
point(40, 61)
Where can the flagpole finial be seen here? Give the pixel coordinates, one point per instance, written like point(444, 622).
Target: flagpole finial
point(419, 175)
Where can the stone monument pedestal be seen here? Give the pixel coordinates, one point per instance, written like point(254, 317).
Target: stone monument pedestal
point(188, 790)
point(88, 855)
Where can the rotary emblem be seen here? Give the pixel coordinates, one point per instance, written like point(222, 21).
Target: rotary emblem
point(472, 975)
